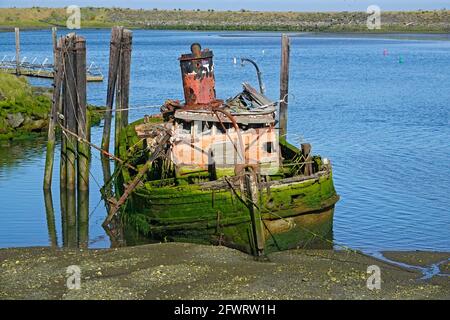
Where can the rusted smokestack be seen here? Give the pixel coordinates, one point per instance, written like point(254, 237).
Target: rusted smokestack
point(197, 71)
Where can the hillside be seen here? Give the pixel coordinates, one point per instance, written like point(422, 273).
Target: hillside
point(411, 21)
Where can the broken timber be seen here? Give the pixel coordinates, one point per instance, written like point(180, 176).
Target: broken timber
point(159, 148)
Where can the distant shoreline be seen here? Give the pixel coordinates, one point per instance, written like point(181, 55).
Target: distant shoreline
point(436, 21)
point(424, 36)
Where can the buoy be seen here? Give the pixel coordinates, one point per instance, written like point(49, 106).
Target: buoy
point(234, 60)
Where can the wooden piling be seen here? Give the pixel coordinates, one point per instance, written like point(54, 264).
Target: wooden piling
point(55, 44)
point(127, 41)
point(53, 119)
point(17, 32)
point(114, 55)
point(252, 196)
point(306, 152)
point(82, 129)
point(118, 107)
point(284, 84)
point(123, 87)
point(63, 120)
point(70, 101)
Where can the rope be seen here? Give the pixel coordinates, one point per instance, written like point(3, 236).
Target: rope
point(78, 155)
point(80, 139)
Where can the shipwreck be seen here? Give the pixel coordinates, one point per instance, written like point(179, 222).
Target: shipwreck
point(217, 172)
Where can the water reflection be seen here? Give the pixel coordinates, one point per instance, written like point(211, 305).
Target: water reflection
point(74, 218)
point(83, 219)
point(51, 225)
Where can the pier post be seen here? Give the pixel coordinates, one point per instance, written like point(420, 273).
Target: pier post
point(306, 152)
point(126, 71)
point(17, 32)
point(284, 84)
point(118, 106)
point(63, 121)
point(57, 84)
point(55, 44)
point(114, 55)
point(70, 111)
point(82, 129)
point(123, 86)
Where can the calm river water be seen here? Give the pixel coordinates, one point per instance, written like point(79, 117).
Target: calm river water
point(378, 107)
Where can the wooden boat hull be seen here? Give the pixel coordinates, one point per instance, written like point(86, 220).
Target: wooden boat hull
point(294, 213)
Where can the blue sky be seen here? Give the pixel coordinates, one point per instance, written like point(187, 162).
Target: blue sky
point(262, 5)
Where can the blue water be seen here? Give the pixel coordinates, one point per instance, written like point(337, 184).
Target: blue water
point(383, 120)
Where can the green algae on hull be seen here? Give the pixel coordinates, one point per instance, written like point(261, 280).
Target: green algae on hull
point(295, 211)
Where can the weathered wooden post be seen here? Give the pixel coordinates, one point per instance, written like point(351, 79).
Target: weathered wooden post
point(125, 73)
point(306, 152)
point(114, 55)
point(17, 32)
point(55, 44)
point(284, 84)
point(53, 119)
point(123, 87)
point(82, 129)
point(70, 102)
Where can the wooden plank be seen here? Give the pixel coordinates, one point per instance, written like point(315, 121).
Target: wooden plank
point(255, 96)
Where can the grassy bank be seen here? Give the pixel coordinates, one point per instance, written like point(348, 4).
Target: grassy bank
point(189, 271)
point(24, 109)
point(437, 21)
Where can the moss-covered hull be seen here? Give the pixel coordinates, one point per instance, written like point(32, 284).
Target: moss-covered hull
point(293, 214)
point(247, 211)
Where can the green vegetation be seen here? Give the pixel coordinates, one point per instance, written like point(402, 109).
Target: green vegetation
point(410, 21)
point(24, 109)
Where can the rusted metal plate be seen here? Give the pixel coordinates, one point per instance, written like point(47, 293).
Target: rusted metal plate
point(197, 70)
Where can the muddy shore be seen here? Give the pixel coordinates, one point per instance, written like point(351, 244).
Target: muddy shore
point(189, 271)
